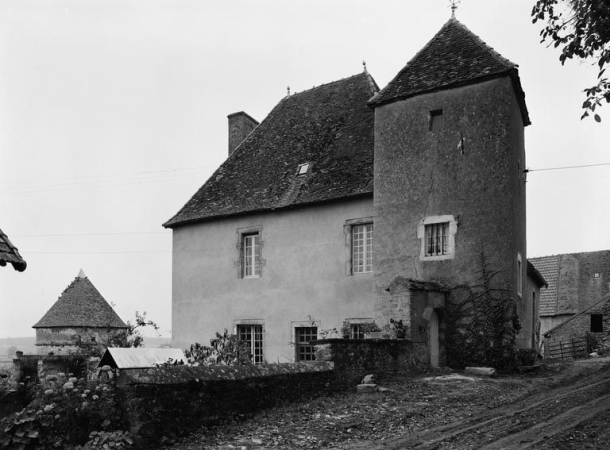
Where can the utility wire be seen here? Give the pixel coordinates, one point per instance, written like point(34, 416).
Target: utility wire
point(91, 234)
point(567, 167)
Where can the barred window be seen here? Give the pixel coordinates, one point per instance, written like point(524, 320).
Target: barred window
point(362, 248)
point(437, 239)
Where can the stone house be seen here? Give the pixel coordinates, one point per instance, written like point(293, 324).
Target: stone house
point(80, 317)
point(9, 254)
point(349, 205)
point(573, 304)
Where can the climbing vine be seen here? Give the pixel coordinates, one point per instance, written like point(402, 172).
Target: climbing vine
point(482, 322)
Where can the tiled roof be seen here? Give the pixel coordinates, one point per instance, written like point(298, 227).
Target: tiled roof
point(548, 266)
point(330, 127)
point(454, 57)
point(81, 305)
point(9, 254)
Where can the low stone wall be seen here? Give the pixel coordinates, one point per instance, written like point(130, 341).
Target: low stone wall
point(167, 401)
point(386, 358)
point(34, 365)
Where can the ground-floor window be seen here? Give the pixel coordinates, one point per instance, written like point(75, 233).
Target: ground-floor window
point(253, 335)
point(303, 336)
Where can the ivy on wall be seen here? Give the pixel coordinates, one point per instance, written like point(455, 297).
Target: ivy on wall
point(482, 322)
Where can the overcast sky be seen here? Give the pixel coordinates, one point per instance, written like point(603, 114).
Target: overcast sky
point(113, 113)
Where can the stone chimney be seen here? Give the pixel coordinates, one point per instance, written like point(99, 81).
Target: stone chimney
point(240, 126)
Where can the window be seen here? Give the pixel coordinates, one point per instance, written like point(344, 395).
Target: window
point(303, 168)
point(249, 252)
point(597, 323)
point(519, 275)
point(303, 336)
point(362, 248)
point(596, 275)
point(436, 120)
point(437, 235)
point(437, 239)
point(253, 335)
point(358, 246)
point(356, 331)
point(252, 253)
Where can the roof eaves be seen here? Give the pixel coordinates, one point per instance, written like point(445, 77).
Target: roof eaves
point(193, 221)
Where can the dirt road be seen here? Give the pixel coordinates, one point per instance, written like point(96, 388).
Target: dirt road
point(559, 407)
point(570, 415)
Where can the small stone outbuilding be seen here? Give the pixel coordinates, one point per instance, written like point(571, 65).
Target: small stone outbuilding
point(81, 317)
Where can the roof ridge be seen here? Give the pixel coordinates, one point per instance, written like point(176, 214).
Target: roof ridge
point(325, 85)
point(571, 253)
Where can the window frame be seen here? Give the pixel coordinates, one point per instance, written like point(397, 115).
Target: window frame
point(519, 275)
point(243, 235)
point(253, 324)
point(348, 231)
point(294, 326)
point(422, 235)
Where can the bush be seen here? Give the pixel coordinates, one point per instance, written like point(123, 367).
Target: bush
point(63, 414)
point(527, 356)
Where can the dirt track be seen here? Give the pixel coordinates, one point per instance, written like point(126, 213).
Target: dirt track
point(563, 407)
point(555, 418)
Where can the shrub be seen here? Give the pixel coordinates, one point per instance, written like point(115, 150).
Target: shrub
point(64, 412)
point(224, 349)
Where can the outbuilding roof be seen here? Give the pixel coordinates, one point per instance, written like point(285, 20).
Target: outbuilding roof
point(329, 128)
point(9, 254)
point(454, 57)
point(548, 266)
point(81, 305)
point(139, 358)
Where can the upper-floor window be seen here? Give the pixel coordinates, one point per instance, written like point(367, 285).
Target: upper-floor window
point(362, 248)
point(249, 245)
point(436, 120)
point(437, 235)
point(437, 239)
point(358, 245)
point(252, 255)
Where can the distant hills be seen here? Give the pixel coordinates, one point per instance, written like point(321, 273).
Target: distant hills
point(8, 346)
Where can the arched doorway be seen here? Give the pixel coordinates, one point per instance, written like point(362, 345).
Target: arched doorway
point(433, 339)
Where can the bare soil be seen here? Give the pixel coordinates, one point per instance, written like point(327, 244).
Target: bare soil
point(560, 406)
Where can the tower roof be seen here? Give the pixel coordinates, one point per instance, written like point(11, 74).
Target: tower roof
point(329, 127)
point(454, 57)
point(81, 305)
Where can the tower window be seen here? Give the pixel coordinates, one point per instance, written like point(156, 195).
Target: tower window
point(437, 121)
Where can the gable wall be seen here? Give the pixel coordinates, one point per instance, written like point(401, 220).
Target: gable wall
point(419, 173)
point(304, 274)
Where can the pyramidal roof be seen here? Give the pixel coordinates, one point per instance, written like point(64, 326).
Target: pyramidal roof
point(329, 127)
point(454, 57)
point(81, 305)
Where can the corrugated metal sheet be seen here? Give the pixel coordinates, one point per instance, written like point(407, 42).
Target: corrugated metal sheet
point(139, 358)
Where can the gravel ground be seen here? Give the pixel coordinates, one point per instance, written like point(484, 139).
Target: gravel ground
point(408, 408)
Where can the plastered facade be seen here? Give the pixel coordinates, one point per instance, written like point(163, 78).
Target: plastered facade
point(303, 276)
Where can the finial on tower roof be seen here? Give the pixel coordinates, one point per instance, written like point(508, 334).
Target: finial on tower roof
point(454, 6)
point(288, 89)
point(364, 65)
point(81, 274)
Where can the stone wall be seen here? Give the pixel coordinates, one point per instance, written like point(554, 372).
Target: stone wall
point(386, 358)
point(166, 401)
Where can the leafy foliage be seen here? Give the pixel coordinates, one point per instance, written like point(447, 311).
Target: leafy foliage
point(224, 349)
point(582, 28)
point(132, 336)
point(64, 414)
point(482, 322)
